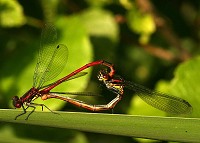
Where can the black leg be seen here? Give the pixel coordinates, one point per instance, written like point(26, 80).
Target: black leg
point(33, 105)
point(22, 113)
point(31, 111)
point(48, 109)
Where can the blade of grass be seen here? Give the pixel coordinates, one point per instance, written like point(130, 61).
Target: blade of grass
point(160, 128)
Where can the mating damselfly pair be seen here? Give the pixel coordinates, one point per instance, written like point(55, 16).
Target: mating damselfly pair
point(52, 58)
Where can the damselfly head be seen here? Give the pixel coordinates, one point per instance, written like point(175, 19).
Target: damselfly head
point(17, 102)
point(103, 75)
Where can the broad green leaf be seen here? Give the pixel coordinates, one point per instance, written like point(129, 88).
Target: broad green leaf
point(159, 128)
point(139, 107)
point(37, 134)
point(100, 23)
point(80, 53)
point(186, 83)
point(11, 13)
point(7, 135)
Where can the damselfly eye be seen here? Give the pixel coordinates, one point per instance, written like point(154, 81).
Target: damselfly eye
point(16, 102)
point(103, 75)
point(100, 76)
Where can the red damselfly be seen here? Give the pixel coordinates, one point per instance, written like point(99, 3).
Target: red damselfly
point(51, 61)
point(161, 101)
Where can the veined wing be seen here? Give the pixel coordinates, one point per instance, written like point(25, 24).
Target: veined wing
point(51, 58)
point(80, 74)
point(164, 102)
point(78, 93)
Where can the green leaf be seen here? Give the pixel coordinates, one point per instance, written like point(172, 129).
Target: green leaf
point(100, 23)
point(186, 83)
point(127, 4)
point(160, 128)
point(139, 107)
point(11, 13)
point(98, 3)
point(80, 53)
point(141, 23)
point(7, 135)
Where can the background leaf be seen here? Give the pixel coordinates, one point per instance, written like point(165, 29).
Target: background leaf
point(11, 14)
point(100, 23)
point(151, 43)
point(186, 83)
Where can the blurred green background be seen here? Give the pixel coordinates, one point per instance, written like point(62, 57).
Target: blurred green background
point(153, 43)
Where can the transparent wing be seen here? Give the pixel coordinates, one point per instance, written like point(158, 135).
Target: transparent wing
point(51, 58)
point(80, 74)
point(78, 93)
point(167, 103)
